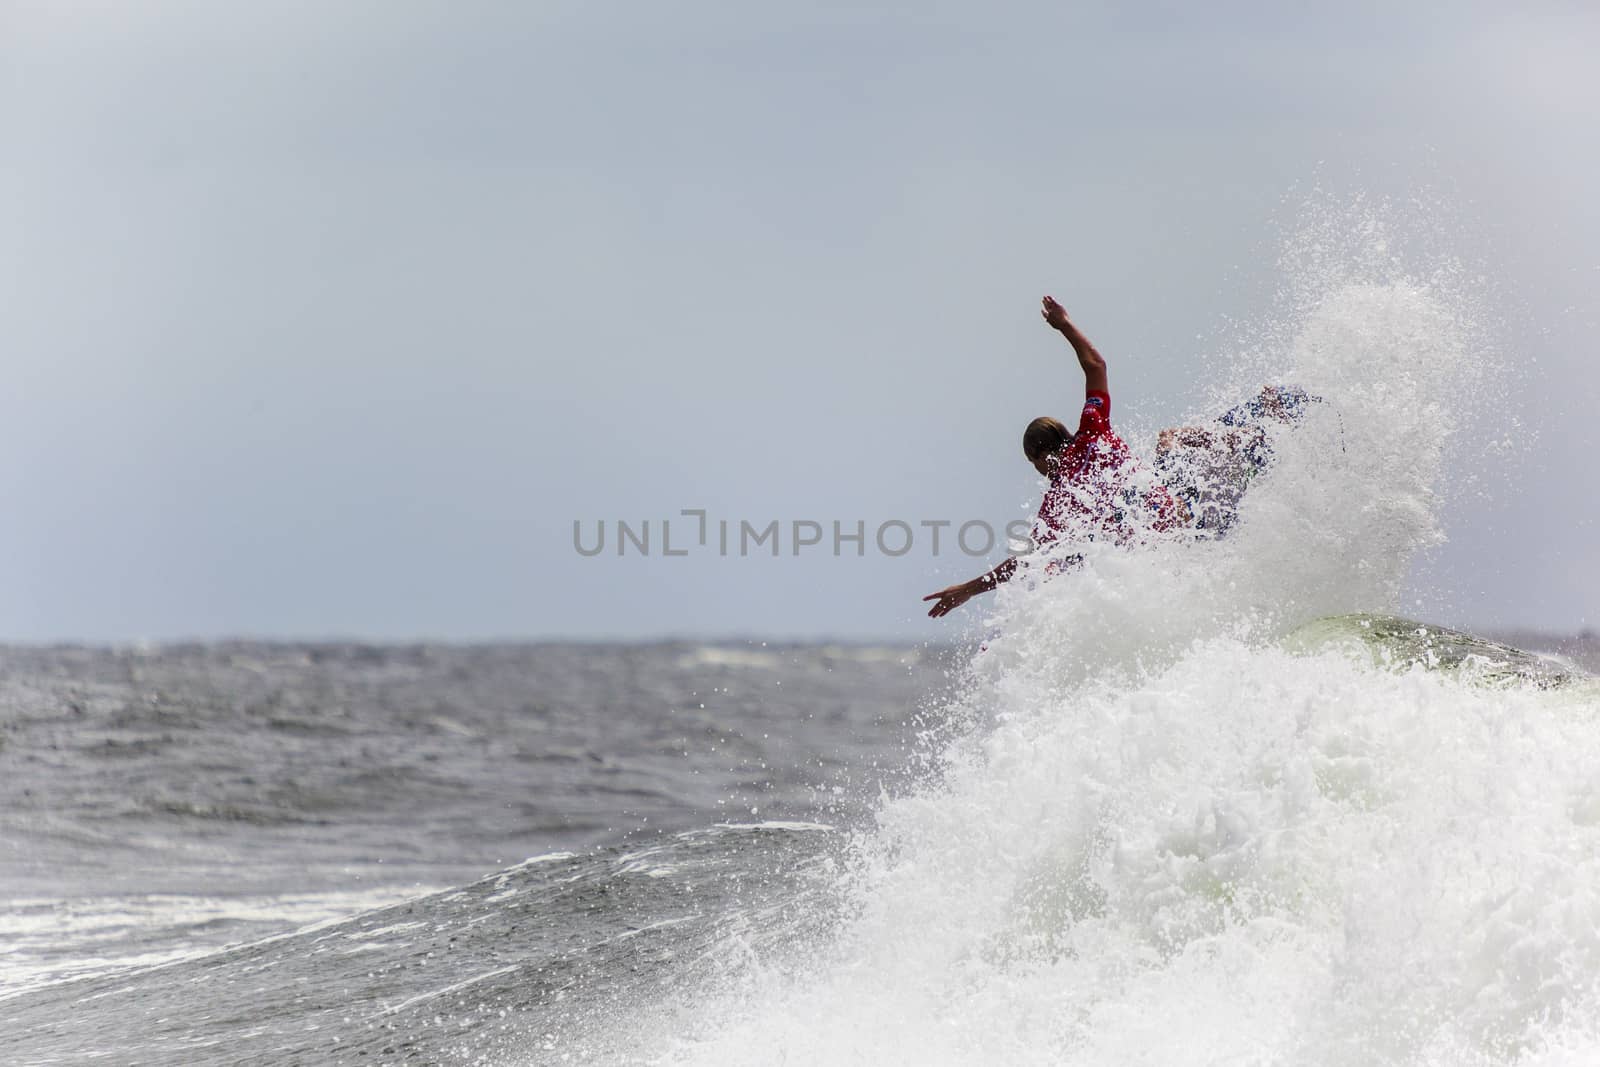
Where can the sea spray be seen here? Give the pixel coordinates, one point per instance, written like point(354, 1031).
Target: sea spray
point(1330, 528)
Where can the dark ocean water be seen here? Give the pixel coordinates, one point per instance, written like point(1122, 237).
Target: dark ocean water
point(266, 853)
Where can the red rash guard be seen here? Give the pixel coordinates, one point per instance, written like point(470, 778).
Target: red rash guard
point(1098, 487)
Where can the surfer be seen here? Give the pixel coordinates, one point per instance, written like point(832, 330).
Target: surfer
point(1098, 490)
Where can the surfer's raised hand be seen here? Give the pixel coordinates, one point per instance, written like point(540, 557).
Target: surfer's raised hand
point(1094, 367)
point(1055, 314)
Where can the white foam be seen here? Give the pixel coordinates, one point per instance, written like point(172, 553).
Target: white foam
point(47, 941)
point(1248, 857)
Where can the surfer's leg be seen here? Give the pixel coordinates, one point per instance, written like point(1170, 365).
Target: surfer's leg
point(1282, 403)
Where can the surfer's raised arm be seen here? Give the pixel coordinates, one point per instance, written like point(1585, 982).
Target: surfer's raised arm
point(1089, 358)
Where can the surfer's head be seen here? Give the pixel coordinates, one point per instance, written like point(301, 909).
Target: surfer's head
point(1043, 438)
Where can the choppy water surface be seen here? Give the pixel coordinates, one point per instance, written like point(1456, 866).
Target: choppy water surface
point(162, 804)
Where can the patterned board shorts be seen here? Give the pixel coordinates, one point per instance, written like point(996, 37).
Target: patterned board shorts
point(1212, 479)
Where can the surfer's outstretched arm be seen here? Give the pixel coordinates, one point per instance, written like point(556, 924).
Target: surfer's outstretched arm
point(1089, 358)
point(952, 597)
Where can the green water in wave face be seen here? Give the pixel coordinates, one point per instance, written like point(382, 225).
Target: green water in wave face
point(1395, 643)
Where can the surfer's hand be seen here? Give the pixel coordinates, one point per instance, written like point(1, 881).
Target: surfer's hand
point(950, 598)
point(1055, 314)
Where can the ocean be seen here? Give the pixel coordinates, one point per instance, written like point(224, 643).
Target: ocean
point(279, 853)
point(1188, 803)
point(747, 853)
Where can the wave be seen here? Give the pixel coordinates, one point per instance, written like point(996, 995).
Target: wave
point(1250, 855)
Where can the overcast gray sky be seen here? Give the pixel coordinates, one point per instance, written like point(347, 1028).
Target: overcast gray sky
point(331, 318)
